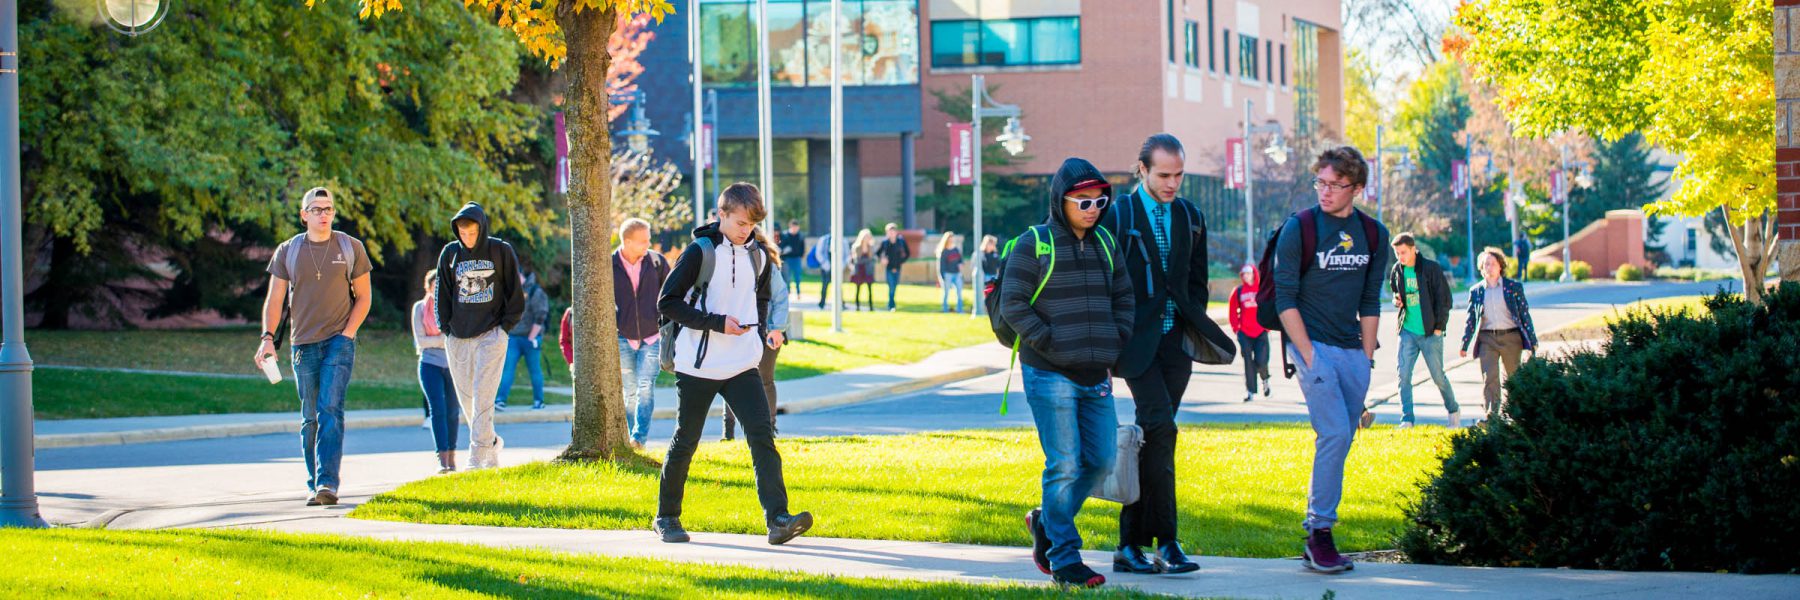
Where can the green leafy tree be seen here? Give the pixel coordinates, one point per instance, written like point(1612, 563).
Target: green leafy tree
point(1696, 77)
point(574, 35)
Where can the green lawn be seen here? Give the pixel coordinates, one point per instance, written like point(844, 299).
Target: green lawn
point(1594, 327)
point(1242, 489)
point(79, 563)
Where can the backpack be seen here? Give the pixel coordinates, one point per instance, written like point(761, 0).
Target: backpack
point(1269, 318)
point(1127, 221)
point(292, 261)
point(1044, 245)
point(668, 329)
point(813, 260)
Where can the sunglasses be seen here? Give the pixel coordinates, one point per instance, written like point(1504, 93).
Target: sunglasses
point(1085, 204)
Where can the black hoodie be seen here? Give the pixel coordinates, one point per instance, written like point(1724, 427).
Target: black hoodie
point(1082, 319)
point(478, 288)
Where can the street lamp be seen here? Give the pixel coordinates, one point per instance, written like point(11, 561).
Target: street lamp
point(18, 486)
point(637, 130)
point(1559, 190)
point(1012, 138)
point(1469, 190)
point(132, 17)
point(1277, 151)
point(1405, 167)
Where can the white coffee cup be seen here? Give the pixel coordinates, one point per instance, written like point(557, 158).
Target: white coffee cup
point(271, 369)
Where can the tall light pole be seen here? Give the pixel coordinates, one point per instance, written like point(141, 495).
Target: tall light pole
point(1406, 166)
point(18, 487)
point(837, 169)
point(1278, 152)
point(1560, 188)
point(765, 143)
point(701, 144)
point(1012, 138)
point(1469, 190)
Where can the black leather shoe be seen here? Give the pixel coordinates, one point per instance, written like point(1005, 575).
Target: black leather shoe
point(670, 530)
point(1131, 559)
point(1172, 560)
point(1040, 542)
point(784, 528)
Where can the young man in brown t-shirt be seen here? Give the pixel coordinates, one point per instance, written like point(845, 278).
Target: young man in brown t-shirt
point(324, 313)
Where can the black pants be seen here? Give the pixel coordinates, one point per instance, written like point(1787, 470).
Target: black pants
point(824, 286)
point(1255, 351)
point(744, 394)
point(1158, 394)
point(767, 371)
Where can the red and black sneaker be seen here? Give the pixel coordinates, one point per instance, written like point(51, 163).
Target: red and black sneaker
point(1321, 553)
point(1078, 575)
point(1040, 541)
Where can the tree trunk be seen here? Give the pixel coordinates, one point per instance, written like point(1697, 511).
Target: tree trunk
point(1754, 241)
point(598, 431)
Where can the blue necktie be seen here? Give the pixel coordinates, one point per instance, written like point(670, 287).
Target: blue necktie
point(1161, 228)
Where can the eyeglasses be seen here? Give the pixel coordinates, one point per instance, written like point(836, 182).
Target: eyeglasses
point(1323, 185)
point(1085, 204)
point(320, 210)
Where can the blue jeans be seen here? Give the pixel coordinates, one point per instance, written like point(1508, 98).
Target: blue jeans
point(322, 373)
point(1334, 387)
point(1078, 429)
point(440, 402)
point(638, 370)
point(893, 281)
point(520, 346)
point(1432, 347)
point(952, 280)
point(796, 270)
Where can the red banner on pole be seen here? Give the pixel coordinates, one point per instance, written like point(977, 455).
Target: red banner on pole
point(1558, 187)
point(1235, 164)
point(962, 153)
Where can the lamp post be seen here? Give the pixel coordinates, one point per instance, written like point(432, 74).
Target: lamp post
point(132, 17)
point(1560, 189)
point(701, 145)
point(1012, 138)
point(1469, 190)
point(1277, 151)
point(18, 486)
point(637, 132)
point(1406, 167)
point(837, 168)
point(765, 142)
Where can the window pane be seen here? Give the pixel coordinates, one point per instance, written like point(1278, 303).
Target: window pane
point(818, 42)
point(787, 42)
point(729, 55)
point(1056, 41)
point(954, 43)
point(1004, 43)
point(890, 42)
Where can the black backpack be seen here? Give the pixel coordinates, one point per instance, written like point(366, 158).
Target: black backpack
point(1269, 318)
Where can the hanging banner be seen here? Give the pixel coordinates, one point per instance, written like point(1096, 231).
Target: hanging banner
point(1372, 191)
point(1234, 164)
point(1459, 178)
point(706, 145)
point(962, 153)
point(562, 156)
point(1558, 188)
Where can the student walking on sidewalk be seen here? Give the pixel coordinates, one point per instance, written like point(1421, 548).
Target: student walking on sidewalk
point(1252, 339)
point(895, 251)
point(950, 260)
point(793, 255)
point(723, 319)
point(638, 277)
point(862, 269)
point(323, 314)
point(1422, 294)
point(1499, 324)
point(1329, 302)
point(1071, 305)
point(479, 299)
point(1163, 242)
point(523, 341)
point(434, 375)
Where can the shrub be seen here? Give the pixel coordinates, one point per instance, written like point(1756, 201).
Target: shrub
point(1630, 272)
point(1545, 270)
point(1674, 449)
point(1535, 270)
point(1580, 270)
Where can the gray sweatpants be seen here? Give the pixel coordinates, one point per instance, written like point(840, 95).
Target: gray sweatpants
point(1334, 386)
point(475, 368)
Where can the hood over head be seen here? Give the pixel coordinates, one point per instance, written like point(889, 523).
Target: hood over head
point(1074, 175)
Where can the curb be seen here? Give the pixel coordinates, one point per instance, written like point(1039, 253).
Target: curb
point(559, 413)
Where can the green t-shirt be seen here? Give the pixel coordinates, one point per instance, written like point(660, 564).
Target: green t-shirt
point(1415, 316)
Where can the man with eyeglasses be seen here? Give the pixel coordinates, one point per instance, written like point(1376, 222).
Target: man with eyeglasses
point(1163, 239)
point(323, 314)
point(1328, 296)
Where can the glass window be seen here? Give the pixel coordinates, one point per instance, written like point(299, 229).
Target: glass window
point(890, 42)
point(1212, 63)
point(787, 42)
point(1306, 76)
point(1192, 55)
point(730, 53)
point(1227, 51)
point(953, 43)
point(1284, 64)
point(1006, 42)
point(1269, 61)
point(818, 42)
point(1056, 41)
point(880, 42)
point(1247, 57)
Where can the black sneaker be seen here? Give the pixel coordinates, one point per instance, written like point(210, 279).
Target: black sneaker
point(784, 528)
point(670, 530)
point(1040, 541)
point(1078, 575)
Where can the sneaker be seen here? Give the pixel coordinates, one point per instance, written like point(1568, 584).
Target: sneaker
point(1249, 395)
point(1456, 420)
point(1040, 541)
point(1078, 575)
point(670, 530)
point(1266, 389)
point(323, 497)
point(426, 425)
point(1404, 425)
point(500, 406)
point(537, 406)
point(784, 528)
point(1368, 418)
point(1321, 554)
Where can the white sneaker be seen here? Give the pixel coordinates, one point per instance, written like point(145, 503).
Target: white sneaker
point(494, 453)
point(1404, 425)
point(1456, 420)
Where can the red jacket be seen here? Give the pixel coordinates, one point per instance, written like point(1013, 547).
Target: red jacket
point(567, 337)
point(1243, 311)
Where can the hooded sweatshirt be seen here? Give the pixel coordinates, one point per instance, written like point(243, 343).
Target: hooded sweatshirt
point(481, 290)
point(1083, 317)
point(702, 349)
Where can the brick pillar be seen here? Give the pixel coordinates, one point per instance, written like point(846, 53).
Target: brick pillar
point(1787, 143)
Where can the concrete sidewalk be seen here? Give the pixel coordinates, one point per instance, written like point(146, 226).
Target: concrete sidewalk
point(1218, 577)
point(797, 396)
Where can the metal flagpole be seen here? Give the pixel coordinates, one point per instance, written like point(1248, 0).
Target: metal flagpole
point(837, 169)
point(765, 143)
point(700, 142)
